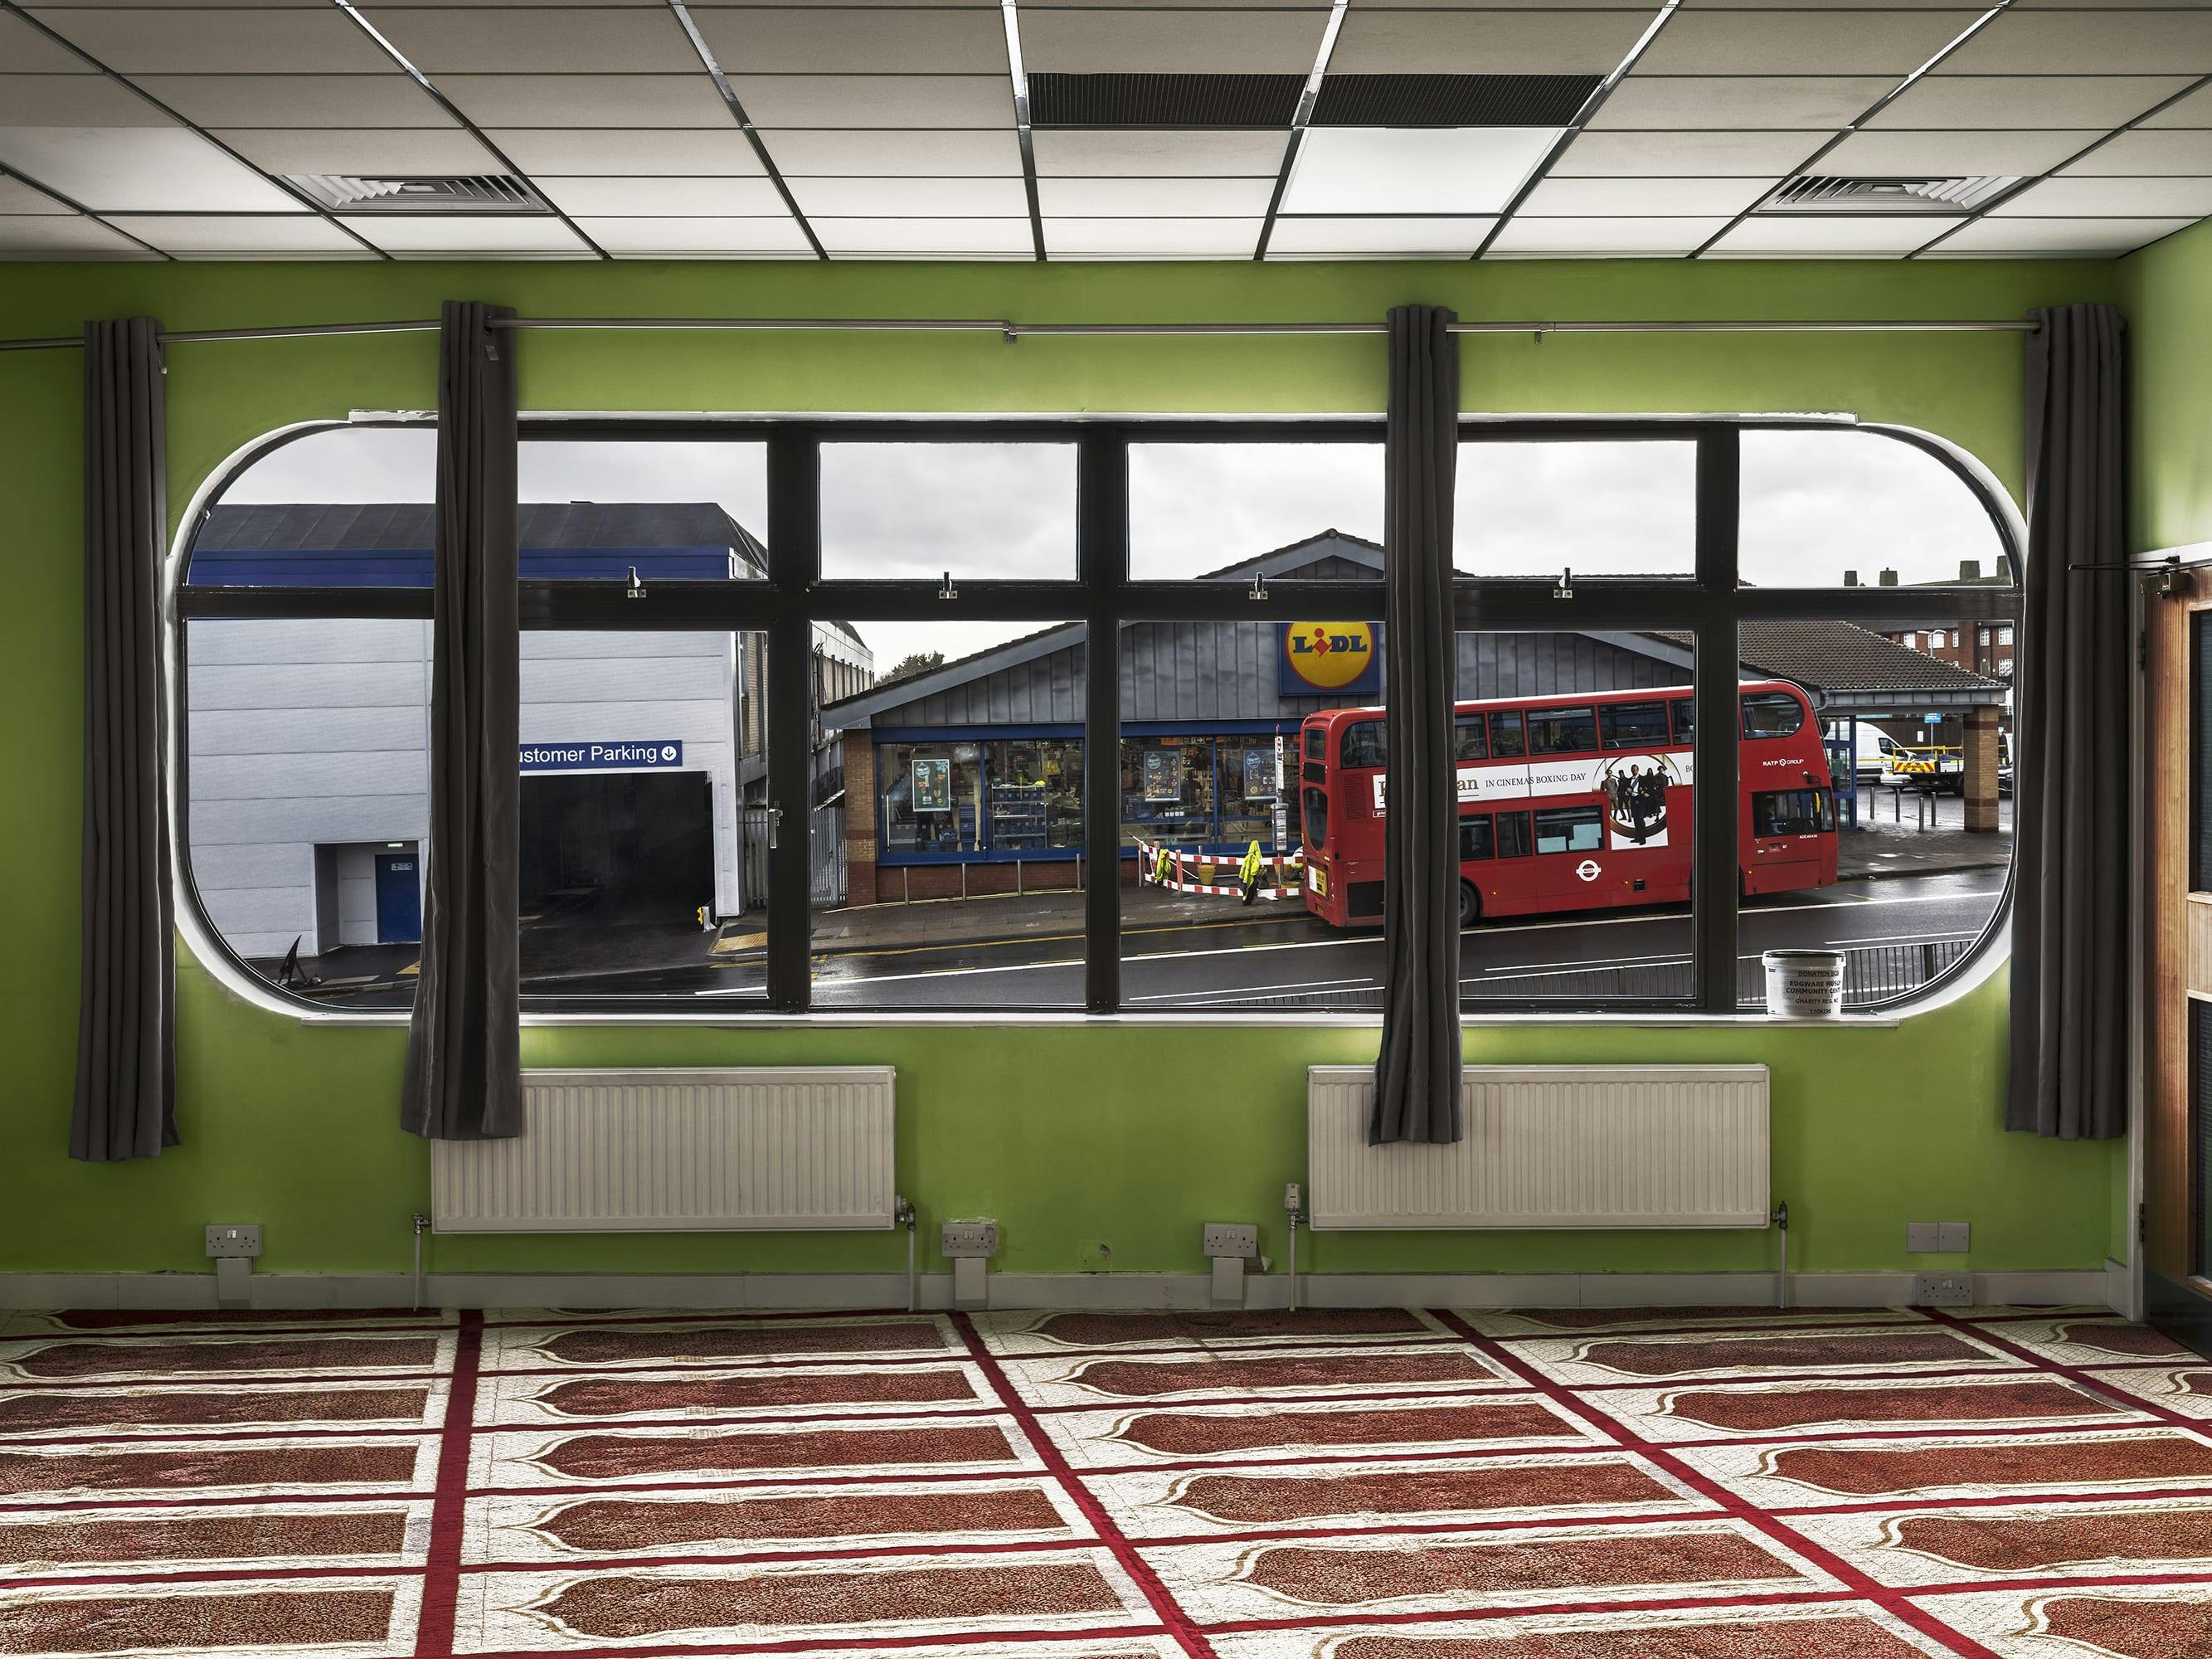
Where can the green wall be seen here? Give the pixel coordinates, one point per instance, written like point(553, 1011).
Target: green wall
point(1127, 1135)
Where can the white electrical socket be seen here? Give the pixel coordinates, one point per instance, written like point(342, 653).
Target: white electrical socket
point(239, 1238)
point(969, 1239)
point(1232, 1238)
point(1943, 1289)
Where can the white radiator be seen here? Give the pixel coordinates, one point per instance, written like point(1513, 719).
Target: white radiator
point(1550, 1146)
point(658, 1151)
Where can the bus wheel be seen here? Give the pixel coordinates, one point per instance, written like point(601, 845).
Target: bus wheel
point(1470, 904)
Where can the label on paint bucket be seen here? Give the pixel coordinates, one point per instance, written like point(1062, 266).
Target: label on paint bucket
point(1804, 984)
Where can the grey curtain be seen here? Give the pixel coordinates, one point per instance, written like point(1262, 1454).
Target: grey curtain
point(2069, 974)
point(1417, 1075)
point(126, 1072)
point(464, 1045)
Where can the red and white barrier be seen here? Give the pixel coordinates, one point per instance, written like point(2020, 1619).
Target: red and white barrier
point(1179, 871)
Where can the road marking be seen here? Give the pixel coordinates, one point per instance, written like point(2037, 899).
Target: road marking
point(1328, 944)
point(1211, 996)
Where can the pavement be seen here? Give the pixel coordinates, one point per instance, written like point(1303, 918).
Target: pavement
point(1903, 832)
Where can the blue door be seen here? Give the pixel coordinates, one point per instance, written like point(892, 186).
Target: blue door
point(398, 900)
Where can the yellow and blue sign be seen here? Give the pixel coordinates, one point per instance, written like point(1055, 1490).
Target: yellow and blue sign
point(1329, 659)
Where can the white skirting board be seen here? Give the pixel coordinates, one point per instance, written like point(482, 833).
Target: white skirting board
point(2085, 1287)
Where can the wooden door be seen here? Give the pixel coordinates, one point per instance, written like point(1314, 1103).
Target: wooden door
point(2177, 752)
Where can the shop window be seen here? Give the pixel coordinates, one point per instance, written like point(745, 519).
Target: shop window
point(1168, 791)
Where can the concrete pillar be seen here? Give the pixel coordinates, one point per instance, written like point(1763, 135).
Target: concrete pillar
point(1981, 769)
point(859, 818)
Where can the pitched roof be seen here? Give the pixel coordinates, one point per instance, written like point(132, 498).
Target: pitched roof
point(1827, 655)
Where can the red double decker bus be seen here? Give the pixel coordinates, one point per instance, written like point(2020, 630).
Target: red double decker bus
point(1571, 802)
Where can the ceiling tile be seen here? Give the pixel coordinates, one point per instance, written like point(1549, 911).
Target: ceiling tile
point(369, 150)
point(1152, 239)
point(555, 40)
point(877, 100)
point(2109, 198)
point(1413, 169)
point(1168, 198)
point(686, 237)
point(449, 232)
point(2107, 236)
point(912, 198)
point(75, 100)
point(1954, 153)
point(298, 233)
point(1532, 238)
point(2194, 110)
point(678, 152)
point(838, 41)
point(26, 49)
point(663, 199)
point(1158, 154)
point(2143, 42)
point(1028, 6)
point(1374, 42)
point(2144, 154)
point(183, 41)
point(890, 152)
point(927, 238)
point(1814, 233)
point(1824, 5)
point(139, 168)
point(298, 101)
point(1702, 155)
point(1072, 41)
point(17, 197)
point(1600, 198)
point(1994, 101)
point(44, 236)
point(1796, 39)
point(1349, 237)
point(1812, 101)
point(587, 101)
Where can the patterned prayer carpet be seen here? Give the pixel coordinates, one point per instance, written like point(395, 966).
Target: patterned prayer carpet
point(1689, 1483)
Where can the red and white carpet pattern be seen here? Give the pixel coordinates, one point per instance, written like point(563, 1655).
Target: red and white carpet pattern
point(1582, 1484)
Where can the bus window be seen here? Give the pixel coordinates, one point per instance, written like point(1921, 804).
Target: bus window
point(1316, 818)
point(1505, 742)
point(1317, 743)
point(1366, 743)
point(1634, 725)
point(1685, 718)
point(1513, 835)
point(1792, 813)
point(1474, 838)
point(1561, 731)
point(1569, 830)
point(1467, 740)
point(1772, 715)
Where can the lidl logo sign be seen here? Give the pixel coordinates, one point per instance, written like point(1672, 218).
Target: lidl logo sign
point(1330, 659)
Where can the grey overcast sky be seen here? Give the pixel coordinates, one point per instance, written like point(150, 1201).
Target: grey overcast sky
point(1815, 504)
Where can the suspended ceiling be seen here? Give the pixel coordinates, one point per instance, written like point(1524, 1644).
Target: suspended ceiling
point(654, 129)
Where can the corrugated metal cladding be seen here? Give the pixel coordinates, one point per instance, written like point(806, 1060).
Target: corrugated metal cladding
point(1197, 672)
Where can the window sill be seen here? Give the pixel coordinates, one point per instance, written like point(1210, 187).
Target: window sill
point(968, 1018)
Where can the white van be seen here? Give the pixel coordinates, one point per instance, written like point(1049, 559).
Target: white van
point(1876, 751)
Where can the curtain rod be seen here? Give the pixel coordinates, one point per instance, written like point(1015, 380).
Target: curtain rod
point(1011, 331)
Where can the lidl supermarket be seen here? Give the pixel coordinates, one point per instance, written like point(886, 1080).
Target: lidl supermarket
point(969, 779)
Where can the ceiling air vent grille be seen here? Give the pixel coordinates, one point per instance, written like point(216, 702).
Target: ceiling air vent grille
point(1821, 192)
point(475, 192)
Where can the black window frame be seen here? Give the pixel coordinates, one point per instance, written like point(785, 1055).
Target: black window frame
point(1706, 608)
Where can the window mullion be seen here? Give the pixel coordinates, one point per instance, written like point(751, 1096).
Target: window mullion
point(1715, 757)
point(1102, 520)
point(794, 517)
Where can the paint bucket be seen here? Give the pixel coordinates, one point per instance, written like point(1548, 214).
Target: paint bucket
point(1804, 984)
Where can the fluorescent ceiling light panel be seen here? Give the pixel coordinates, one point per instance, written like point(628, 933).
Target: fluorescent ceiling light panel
point(43, 236)
point(1399, 239)
point(1464, 170)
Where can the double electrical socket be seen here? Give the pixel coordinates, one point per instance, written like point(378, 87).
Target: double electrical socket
point(233, 1238)
point(969, 1239)
point(1230, 1238)
point(1944, 1291)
